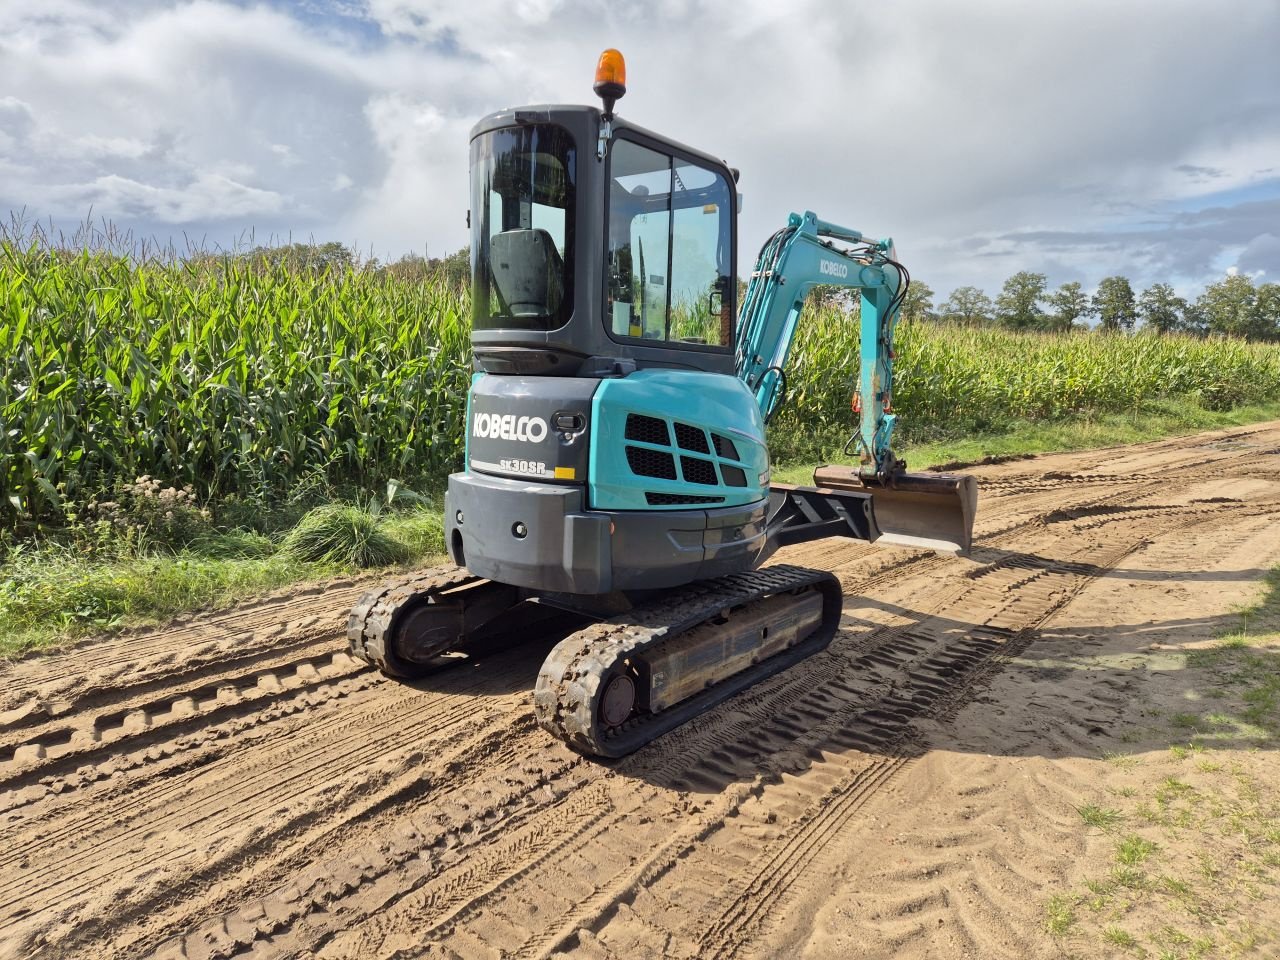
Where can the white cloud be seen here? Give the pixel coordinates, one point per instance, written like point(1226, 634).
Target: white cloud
point(476, 20)
point(985, 137)
point(208, 198)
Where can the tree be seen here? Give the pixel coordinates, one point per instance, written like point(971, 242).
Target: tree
point(825, 295)
point(1194, 320)
point(1018, 305)
point(1269, 311)
point(1230, 308)
point(967, 305)
point(1114, 304)
point(1069, 303)
point(454, 270)
point(332, 257)
point(918, 303)
point(1161, 309)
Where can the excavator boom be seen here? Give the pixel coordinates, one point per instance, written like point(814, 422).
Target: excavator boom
point(933, 511)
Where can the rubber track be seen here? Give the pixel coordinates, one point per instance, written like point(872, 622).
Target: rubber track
point(370, 626)
point(565, 697)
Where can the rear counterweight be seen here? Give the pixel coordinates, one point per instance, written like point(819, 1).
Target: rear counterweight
point(542, 536)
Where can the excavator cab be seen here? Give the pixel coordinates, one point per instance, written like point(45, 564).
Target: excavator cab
point(596, 242)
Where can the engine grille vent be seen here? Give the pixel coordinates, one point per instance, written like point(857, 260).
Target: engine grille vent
point(725, 448)
point(699, 471)
point(666, 499)
point(681, 441)
point(651, 463)
point(647, 430)
point(691, 438)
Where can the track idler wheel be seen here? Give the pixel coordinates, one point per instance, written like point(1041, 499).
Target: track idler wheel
point(403, 627)
point(618, 699)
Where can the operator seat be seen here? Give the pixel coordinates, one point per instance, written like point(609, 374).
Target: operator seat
point(527, 272)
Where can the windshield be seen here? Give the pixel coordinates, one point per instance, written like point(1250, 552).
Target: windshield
point(522, 194)
point(669, 249)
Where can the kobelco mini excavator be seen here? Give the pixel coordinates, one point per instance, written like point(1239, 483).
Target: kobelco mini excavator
point(616, 466)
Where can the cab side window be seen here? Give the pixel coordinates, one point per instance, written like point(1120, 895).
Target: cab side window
point(669, 249)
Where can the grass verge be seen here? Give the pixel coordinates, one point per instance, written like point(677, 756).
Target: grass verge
point(1191, 828)
point(57, 592)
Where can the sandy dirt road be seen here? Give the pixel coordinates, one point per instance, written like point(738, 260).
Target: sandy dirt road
point(236, 785)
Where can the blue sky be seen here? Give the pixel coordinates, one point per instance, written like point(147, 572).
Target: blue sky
point(1077, 139)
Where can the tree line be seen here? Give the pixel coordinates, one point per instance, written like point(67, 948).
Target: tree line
point(334, 257)
point(1233, 306)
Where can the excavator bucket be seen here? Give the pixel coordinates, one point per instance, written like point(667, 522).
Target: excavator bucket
point(930, 510)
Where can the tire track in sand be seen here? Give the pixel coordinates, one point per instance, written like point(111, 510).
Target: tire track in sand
point(350, 814)
point(939, 672)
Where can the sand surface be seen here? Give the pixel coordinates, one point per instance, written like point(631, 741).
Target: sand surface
point(236, 785)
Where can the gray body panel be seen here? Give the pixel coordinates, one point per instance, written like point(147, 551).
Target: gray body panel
point(568, 548)
point(512, 428)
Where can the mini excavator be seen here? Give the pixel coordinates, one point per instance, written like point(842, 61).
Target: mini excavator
point(616, 467)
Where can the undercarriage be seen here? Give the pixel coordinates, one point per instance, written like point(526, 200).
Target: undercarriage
point(634, 663)
point(621, 680)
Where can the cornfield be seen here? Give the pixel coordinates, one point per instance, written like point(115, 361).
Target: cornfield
point(952, 380)
point(230, 375)
point(240, 376)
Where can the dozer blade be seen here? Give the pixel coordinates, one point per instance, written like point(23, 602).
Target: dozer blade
point(930, 510)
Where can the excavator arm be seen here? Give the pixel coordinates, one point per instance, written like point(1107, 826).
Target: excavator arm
point(796, 259)
point(915, 509)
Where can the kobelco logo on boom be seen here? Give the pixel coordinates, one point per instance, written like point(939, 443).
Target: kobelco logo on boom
point(509, 427)
point(833, 269)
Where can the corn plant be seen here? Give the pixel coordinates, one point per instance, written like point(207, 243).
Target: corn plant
point(226, 374)
point(236, 375)
point(953, 380)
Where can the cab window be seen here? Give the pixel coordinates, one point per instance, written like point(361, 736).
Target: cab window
point(523, 182)
point(669, 249)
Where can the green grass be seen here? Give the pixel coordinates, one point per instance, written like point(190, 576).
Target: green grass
point(59, 591)
point(47, 597)
point(1099, 817)
point(1167, 418)
point(1119, 938)
point(1242, 669)
point(1200, 875)
point(1059, 915)
point(344, 535)
point(1133, 850)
